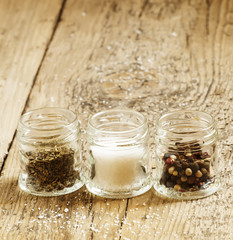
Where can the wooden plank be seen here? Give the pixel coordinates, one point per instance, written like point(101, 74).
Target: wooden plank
point(94, 217)
point(184, 48)
point(201, 60)
point(25, 31)
point(86, 217)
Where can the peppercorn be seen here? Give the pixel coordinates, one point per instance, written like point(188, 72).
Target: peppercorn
point(198, 174)
point(169, 161)
point(171, 170)
point(188, 171)
point(194, 166)
point(177, 187)
point(185, 166)
point(178, 165)
point(183, 178)
point(170, 184)
point(205, 155)
point(188, 152)
point(207, 164)
point(182, 157)
point(200, 163)
point(204, 171)
point(173, 157)
point(191, 180)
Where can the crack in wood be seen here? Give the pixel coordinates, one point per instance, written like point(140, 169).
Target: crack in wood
point(92, 217)
point(143, 8)
point(125, 216)
point(187, 40)
point(208, 91)
point(114, 7)
point(6, 154)
point(91, 226)
point(36, 75)
point(91, 205)
point(207, 16)
point(58, 20)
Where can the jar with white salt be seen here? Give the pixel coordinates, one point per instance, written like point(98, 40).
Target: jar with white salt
point(118, 162)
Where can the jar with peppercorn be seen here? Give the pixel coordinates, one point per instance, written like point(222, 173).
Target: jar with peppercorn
point(186, 157)
point(49, 146)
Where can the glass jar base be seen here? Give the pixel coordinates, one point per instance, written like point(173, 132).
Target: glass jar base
point(165, 192)
point(117, 194)
point(22, 182)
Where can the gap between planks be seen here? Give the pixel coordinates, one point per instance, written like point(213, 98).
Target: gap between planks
point(58, 20)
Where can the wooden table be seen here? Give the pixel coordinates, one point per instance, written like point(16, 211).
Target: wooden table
point(162, 55)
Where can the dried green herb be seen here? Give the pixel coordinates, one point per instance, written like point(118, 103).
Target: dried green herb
point(143, 168)
point(92, 171)
point(50, 170)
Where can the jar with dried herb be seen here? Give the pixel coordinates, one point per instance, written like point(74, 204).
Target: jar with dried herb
point(187, 164)
point(49, 147)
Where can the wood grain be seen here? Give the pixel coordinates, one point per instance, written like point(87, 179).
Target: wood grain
point(99, 57)
point(26, 29)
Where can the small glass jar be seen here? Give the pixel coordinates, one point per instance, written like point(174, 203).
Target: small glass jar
point(48, 140)
point(118, 154)
point(187, 163)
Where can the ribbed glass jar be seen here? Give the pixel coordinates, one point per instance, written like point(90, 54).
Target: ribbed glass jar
point(118, 163)
point(186, 158)
point(48, 140)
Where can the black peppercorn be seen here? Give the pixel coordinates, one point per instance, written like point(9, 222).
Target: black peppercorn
point(187, 168)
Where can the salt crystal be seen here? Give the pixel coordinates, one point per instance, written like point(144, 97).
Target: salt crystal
point(112, 173)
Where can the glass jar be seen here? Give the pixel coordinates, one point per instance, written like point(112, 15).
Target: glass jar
point(48, 140)
point(187, 163)
point(118, 154)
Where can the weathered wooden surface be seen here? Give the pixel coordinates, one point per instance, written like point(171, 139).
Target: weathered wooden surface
point(182, 48)
point(26, 29)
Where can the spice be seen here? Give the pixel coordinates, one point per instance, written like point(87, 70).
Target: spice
point(117, 167)
point(186, 168)
point(52, 169)
point(117, 163)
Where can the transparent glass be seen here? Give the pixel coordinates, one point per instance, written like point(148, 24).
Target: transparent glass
point(186, 158)
point(48, 140)
point(118, 154)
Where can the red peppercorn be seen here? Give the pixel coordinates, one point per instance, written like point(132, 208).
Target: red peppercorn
point(169, 161)
point(183, 190)
point(191, 180)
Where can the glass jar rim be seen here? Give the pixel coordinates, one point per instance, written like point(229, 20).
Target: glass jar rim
point(53, 110)
point(211, 119)
point(142, 118)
